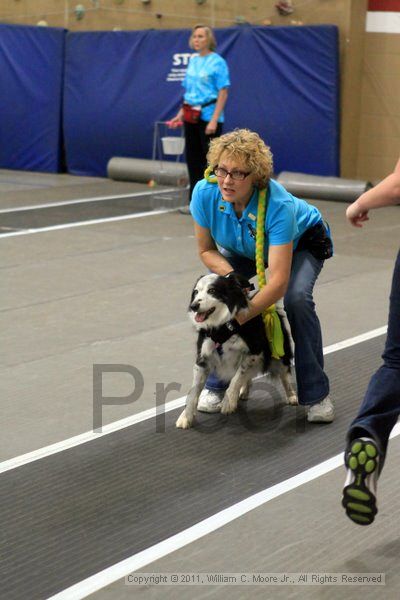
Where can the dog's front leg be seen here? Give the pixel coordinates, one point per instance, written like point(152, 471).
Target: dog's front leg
point(185, 420)
point(239, 380)
point(287, 382)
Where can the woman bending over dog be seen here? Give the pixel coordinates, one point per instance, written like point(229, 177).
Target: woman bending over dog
point(224, 207)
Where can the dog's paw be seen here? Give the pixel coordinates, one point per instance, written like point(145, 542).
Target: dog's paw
point(183, 421)
point(292, 399)
point(228, 407)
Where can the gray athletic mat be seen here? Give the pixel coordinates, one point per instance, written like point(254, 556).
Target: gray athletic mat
point(142, 170)
point(322, 187)
point(68, 516)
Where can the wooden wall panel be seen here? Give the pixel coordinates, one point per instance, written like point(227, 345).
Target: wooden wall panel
point(133, 14)
point(379, 140)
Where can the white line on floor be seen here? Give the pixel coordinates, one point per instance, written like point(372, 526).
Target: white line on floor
point(89, 436)
point(86, 200)
point(141, 559)
point(151, 213)
point(363, 337)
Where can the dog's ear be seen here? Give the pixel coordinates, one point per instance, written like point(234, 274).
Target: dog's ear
point(194, 287)
point(236, 295)
point(240, 280)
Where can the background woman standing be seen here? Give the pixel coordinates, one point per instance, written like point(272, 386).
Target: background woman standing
point(206, 90)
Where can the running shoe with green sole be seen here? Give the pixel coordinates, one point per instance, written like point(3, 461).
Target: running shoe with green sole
point(359, 492)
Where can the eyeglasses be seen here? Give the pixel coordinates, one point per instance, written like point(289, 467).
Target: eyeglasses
point(236, 175)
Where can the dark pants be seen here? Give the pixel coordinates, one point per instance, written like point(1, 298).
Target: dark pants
point(196, 145)
point(381, 405)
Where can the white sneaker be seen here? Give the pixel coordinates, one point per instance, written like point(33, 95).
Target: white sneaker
point(322, 412)
point(210, 401)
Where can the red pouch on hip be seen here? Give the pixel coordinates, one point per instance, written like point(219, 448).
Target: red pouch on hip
point(191, 114)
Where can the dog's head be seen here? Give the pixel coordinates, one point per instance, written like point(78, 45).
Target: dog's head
point(216, 300)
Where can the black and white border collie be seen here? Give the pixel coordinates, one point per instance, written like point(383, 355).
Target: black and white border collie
point(215, 301)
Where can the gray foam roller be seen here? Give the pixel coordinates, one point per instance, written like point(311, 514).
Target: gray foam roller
point(142, 171)
point(324, 188)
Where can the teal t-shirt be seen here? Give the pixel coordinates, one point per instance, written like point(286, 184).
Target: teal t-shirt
point(205, 77)
point(287, 218)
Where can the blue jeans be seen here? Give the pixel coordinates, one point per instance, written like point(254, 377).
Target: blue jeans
point(380, 408)
point(312, 381)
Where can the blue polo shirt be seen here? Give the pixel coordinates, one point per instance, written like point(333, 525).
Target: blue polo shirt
point(287, 218)
point(205, 77)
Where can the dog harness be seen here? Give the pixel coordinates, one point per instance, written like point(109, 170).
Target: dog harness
point(270, 316)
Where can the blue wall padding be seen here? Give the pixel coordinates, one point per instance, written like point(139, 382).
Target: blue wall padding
point(115, 89)
point(31, 79)
point(284, 86)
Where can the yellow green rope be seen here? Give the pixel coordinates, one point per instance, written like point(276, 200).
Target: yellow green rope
point(209, 175)
point(271, 319)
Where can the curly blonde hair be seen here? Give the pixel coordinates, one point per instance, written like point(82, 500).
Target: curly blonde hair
point(246, 147)
point(212, 42)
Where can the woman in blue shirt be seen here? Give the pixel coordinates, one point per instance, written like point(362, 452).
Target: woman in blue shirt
point(296, 244)
point(206, 90)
